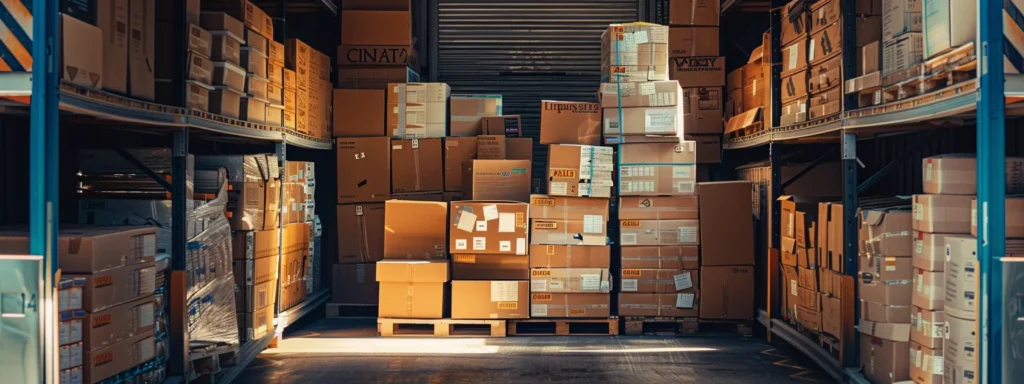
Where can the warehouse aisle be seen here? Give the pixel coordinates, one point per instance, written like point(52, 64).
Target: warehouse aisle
point(333, 350)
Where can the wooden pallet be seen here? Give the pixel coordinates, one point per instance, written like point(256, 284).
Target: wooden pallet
point(745, 131)
point(564, 327)
point(948, 69)
point(346, 310)
point(208, 361)
point(740, 327)
point(440, 328)
point(665, 326)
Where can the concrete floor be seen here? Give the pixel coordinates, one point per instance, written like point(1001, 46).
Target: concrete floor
point(333, 351)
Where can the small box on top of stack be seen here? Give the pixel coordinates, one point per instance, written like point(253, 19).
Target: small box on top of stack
point(902, 40)
point(376, 44)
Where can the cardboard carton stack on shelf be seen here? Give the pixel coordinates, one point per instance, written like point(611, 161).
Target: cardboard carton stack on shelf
point(727, 251)
point(313, 90)
point(693, 50)
point(110, 45)
point(902, 40)
point(948, 24)
point(414, 272)
point(227, 36)
point(748, 91)
point(376, 44)
point(795, 41)
point(299, 229)
point(801, 267)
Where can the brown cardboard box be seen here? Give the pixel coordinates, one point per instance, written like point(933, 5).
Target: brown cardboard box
point(371, 77)
point(416, 166)
point(226, 102)
point(508, 125)
point(468, 111)
point(727, 292)
point(102, 363)
point(293, 294)
point(926, 364)
point(826, 103)
point(796, 220)
point(928, 328)
point(734, 81)
point(822, 44)
point(412, 289)
point(580, 171)
point(809, 319)
point(142, 49)
point(507, 180)
point(659, 208)
point(86, 250)
point(490, 267)
point(255, 271)
point(886, 280)
point(415, 230)
point(570, 122)
point(457, 150)
point(794, 112)
point(569, 256)
point(790, 285)
point(253, 326)
point(519, 148)
point(364, 169)
point(961, 275)
point(960, 359)
point(929, 289)
point(354, 284)
point(794, 87)
point(659, 232)
point(116, 286)
point(659, 304)
point(644, 121)
point(660, 257)
point(360, 233)
point(796, 22)
point(648, 169)
point(251, 298)
point(570, 304)
point(574, 280)
point(929, 251)
point(568, 208)
point(693, 12)
point(693, 41)
point(887, 231)
point(809, 299)
point(822, 236)
point(884, 346)
point(419, 196)
point(638, 95)
point(81, 52)
point(490, 147)
point(825, 75)
point(794, 57)
point(902, 53)
point(255, 190)
point(658, 280)
point(807, 278)
point(107, 327)
point(112, 18)
point(725, 211)
point(299, 57)
point(709, 148)
point(417, 110)
point(702, 111)
point(691, 72)
point(871, 59)
point(253, 17)
point(942, 213)
point(199, 41)
point(253, 110)
point(359, 112)
point(825, 13)
point(956, 174)
point(568, 232)
point(478, 227)
point(360, 27)
point(377, 55)
point(490, 299)
point(1014, 209)
point(836, 249)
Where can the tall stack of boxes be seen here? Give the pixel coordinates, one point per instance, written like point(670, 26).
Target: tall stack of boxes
point(414, 272)
point(902, 40)
point(696, 64)
point(726, 251)
point(489, 239)
point(798, 256)
point(313, 91)
point(298, 212)
point(229, 78)
point(795, 41)
point(376, 44)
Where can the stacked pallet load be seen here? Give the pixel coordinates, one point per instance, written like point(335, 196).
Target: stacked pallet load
point(313, 90)
point(902, 47)
point(376, 45)
point(794, 39)
point(227, 36)
point(693, 48)
point(297, 213)
point(748, 96)
point(800, 264)
point(726, 257)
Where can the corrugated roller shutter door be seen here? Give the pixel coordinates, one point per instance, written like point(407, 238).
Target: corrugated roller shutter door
point(527, 51)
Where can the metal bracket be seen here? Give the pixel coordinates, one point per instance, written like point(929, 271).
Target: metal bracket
point(849, 145)
point(142, 167)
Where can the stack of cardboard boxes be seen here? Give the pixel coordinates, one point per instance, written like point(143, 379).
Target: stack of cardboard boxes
point(414, 272)
point(313, 90)
point(800, 263)
point(726, 251)
point(376, 44)
point(902, 40)
point(225, 48)
point(112, 40)
point(695, 63)
point(949, 24)
point(747, 90)
point(298, 213)
point(795, 39)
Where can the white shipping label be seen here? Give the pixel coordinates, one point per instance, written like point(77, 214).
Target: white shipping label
point(918, 211)
point(915, 357)
point(919, 283)
point(505, 246)
point(521, 246)
point(479, 243)
point(928, 171)
point(646, 88)
point(660, 121)
point(396, 147)
point(687, 235)
point(640, 37)
point(556, 285)
point(790, 227)
point(682, 172)
point(890, 264)
point(466, 221)
point(685, 300)
point(628, 239)
point(504, 291)
point(460, 244)
point(683, 281)
point(792, 287)
point(810, 54)
point(937, 330)
point(686, 187)
point(593, 224)
point(558, 188)
point(794, 50)
point(490, 212)
point(146, 315)
point(538, 285)
point(918, 246)
point(148, 245)
point(629, 285)
point(539, 310)
point(590, 282)
point(506, 222)
point(481, 226)
point(937, 365)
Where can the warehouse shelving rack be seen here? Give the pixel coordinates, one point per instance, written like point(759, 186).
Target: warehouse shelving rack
point(985, 101)
point(48, 98)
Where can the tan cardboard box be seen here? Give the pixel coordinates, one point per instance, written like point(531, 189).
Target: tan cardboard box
point(727, 292)
point(417, 110)
point(692, 72)
point(359, 112)
point(928, 328)
point(887, 231)
point(416, 166)
point(956, 174)
point(809, 299)
point(796, 22)
point(360, 233)
point(362, 27)
point(364, 169)
point(809, 319)
point(412, 289)
point(478, 227)
point(902, 53)
point(659, 232)
point(490, 299)
point(886, 345)
point(112, 17)
point(693, 12)
point(81, 52)
point(658, 280)
point(734, 81)
point(637, 95)
point(253, 326)
point(228, 49)
point(142, 49)
point(107, 327)
point(644, 121)
point(807, 278)
point(293, 294)
point(415, 230)
point(960, 359)
point(658, 169)
point(961, 275)
point(693, 41)
point(457, 150)
point(871, 62)
point(378, 55)
point(929, 251)
point(102, 363)
point(929, 289)
point(570, 304)
point(568, 208)
point(354, 284)
point(490, 267)
point(419, 196)
point(826, 103)
point(825, 75)
point(252, 245)
point(724, 212)
point(835, 237)
point(659, 208)
point(794, 57)
point(255, 271)
point(580, 170)
point(508, 125)
point(790, 285)
point(371, 76)
point(702, 110)
point(926, 364)
point(659, 304)
point(794, 87)
point(86, 250)
point(116, 286)
point(570, 122)
point(942, 213)
point(574, 280)
point(468, 112)
point(822, 44)
point(901, 16)
point(508, 180)
point(491, 147)
point(822, 235)
point(660, 257)
point(569, 256)
point(1014, 217)
point(252, 298)
point(569, 232)
point(796, 220)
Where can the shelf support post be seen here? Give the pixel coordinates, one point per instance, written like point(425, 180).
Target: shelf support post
point(774, 232)
point(178, 364)
point(281, 152)
point(850, 206)
point(772, 119)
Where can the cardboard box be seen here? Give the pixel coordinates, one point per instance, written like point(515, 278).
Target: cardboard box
point(116, 286)
point(659, 232)
point(573, 305)
point(644, 121)
point(929, 289)
point(142, 49)
point(809, 319)
point(570, 122)
point(693, 41)
point(796, 22)
point(574, 280)
point(824, 14)
point(887, 231)
point(960, 359)
point(790, 287)
point(794, 57)
point(417, 110)
point(102, 363)
point(726, 239)
point(659, 304)
point(364, 169)
point(658, 208)
point(660, 257)
point(478, 227)
point(82, 53)
point(929, 251)
point(658, 169)
point(926, 364)
point(252, 16)
point(377, 55)
point(871, 61)
point(794, 112)
point(961, 275)
point(568, 232)
point(361, 27)
point(822, 46)
point(709, 148)
point(490, 147)
point(416, 166)
point(373, 77)
point(948, 24)
point(836, 245)
point(253, 326)
point(570, 256)
point(885, 346)
point(580, 171)
point(104, 328)
point(795, 220)
point(702, 110)
point(490, 267)
point(490, 299)
point(734, 80)
point(639, 95)
point(508, 125)
point(415, 230)
point(468, 112)
point(900, 17)
point(902, 54)
point(354, 284)
point(255, 271)
point(727, 292)
point(253, 110)
point(928, 328)
point(412, 289)
point(885, 313)
point(886, 280)
point(809, 299)
point(794, 87)
point(360, 233)
point(508, 180)
point(956, 174)
point(199, 41)
point(658, 280)
point(252, 298)
point(693, 12)
point(87, 250)
point(942, 213)
point(807, 278)
point(568, 208)
point(457, 150)
point(825, 75)
point(359, 112)
point(708, 71)
point(112, 19)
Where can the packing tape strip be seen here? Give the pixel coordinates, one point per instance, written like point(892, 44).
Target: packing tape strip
point(401, 89)
point(416, 167)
